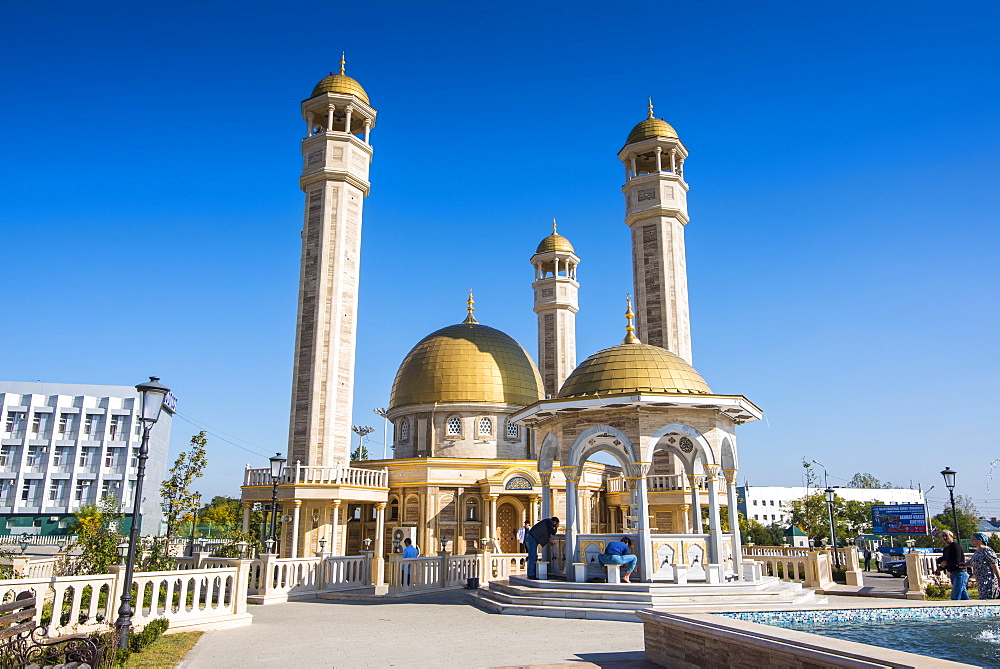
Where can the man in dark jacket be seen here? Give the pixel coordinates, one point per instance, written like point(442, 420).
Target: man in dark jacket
point(952, 560)
point(539, 535)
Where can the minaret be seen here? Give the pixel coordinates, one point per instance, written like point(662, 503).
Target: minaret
point(556, 304)
point(656, 211)
point(335, 160)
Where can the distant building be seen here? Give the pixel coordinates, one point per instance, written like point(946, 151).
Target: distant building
point(63, 446)
point(989, 526)
point(773, 504)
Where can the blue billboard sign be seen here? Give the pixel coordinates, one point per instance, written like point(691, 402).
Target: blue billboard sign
point(899, 519)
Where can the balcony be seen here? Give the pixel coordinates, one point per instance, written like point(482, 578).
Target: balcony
point(661, 483)
point(334, 476)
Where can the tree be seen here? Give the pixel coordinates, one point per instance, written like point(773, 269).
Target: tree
point(96, 527)
point(968, 517)
point(178, 498)
point(866, 480)
point(221, 510)
point(359, 453)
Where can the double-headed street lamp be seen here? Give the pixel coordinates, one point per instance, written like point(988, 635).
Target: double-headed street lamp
point(830, 497)
point(151, 396)
point(277, 466)
point(949, 482)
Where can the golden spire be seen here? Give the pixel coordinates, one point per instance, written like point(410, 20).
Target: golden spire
point(650, 101)
point(554, 225)
point(342, 61)
point(470, 319)
point(630, 337)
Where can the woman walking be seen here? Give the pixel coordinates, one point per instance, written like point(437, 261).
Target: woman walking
point(985, 568)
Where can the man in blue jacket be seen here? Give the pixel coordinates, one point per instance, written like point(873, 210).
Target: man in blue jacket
point(619, 553)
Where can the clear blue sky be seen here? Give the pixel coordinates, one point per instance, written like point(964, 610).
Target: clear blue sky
point(843, 248)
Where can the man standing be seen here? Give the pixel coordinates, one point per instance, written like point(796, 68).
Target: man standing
point(952, 560)
point(409, 551)
point(521, 532)
point(539, 535)
point(868, 559)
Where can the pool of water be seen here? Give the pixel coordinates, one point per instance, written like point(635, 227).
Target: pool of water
point(969, 634)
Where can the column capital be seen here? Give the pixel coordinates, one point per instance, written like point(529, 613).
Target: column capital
point(492, 497)
point(641, 469)
point(711, 471)
point(571, 473)
point(685, 508)
point(248, 505)
point(659, 149)
point(730, 475)
point(297, 503)
point(380, 506)
point(336, 503)
point(546, 477)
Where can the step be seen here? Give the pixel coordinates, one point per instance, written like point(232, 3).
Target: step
point(644, 599)
point(641, 591)
point(541, 599)
point(700, 588)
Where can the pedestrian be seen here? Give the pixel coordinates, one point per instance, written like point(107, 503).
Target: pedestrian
point(868, 559)
point(953, 561)
point(409, 551)
point(985, 568)
point(539, 535)
point(521, 531)
point(619, 554)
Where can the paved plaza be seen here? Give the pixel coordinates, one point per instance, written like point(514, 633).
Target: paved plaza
point(436, 630)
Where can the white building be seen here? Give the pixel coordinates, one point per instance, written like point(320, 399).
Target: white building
point(773, 504)
point(63, 446)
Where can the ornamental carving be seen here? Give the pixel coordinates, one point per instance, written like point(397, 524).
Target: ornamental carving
point(518, 483)
point(686, 445)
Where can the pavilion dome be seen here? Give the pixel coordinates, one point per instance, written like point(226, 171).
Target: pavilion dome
point(554, 242)
point(633, 367)
point(650, 128)
point(340, 84)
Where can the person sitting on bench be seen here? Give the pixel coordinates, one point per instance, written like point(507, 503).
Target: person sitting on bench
point(617, 554)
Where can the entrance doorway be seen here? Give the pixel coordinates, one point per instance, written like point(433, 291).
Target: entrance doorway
point(508, 520)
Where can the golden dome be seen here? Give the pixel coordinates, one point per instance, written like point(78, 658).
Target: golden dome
point(554, 242)
point(649, 128)
point(634, 368)
point(342, 84)
point(468, 362)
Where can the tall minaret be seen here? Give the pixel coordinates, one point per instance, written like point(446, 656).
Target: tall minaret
point(556, 304)
point(336, 155)
point(656, 210)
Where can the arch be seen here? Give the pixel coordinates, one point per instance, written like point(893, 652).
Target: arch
point(728, 455)
point(602, 438)
point(548, 452)
point(702, 449)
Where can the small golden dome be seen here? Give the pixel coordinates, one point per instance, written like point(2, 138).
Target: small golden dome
point(634, 368)
point(341, 84)
point(554, 242)
point(650, 128)
point(468, 362)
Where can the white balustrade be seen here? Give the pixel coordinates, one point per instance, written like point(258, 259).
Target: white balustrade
point(423, 574)
point(273, 580)
point(302, 474)
point(660, 483)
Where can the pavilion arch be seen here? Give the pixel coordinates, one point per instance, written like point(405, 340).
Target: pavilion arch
point(602, 438)
point(702, 449)
point(728, 455)
point(548, 452)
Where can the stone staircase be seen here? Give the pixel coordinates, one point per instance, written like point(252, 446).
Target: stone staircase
point(602, 601)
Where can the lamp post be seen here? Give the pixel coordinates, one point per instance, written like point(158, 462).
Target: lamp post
point(830, 496)
point(949, 483)
point(362, 431)
point(196, 503)
point(277, 466)
point(151, 396)
point(385, 430)
point(927, 515)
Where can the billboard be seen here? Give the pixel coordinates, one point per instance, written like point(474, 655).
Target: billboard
point(899, 519)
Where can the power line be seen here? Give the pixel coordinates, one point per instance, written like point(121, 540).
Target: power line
point(211, 431)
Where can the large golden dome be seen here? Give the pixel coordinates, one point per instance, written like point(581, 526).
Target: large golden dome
point(468, 362)
point(554, 242)
point(650, 128)
point(634, 368)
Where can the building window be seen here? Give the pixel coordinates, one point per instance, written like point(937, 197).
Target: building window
point(55, 492)
point(119, 431)
point(454, 425)
point(135, 458)
point(36, 457)
point(394, 510)
point(92, 426)
point(28, 492)
point(485, 426)
point(87, 456)
point(4, 456)
point(511, 430)
point(755, 502)
point(14, 424)
point(67, 426)
point(471, 510)
point(40, 425)
point(404, 430)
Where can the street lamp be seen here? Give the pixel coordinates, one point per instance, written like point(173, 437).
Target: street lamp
point(151, 396)
point(277, 466)
point(362, 431)
point(830, 496)
point(949, 482)
point(385, 430)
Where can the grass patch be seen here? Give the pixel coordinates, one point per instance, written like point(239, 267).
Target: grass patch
point(164, 653)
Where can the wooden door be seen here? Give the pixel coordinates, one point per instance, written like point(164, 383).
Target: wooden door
point(507, 524)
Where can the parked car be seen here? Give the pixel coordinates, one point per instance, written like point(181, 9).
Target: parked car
point(895, 568)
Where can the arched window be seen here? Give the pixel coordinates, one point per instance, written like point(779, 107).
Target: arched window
point(471, 509)
point(394, 510)
point(454, 425)
point(404, 430)
point(511, 430)
point(485, 426)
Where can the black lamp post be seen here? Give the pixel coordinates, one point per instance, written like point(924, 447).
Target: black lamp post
point(277, 466)
point(152, 395)
point(830, 496)
point(949, 482)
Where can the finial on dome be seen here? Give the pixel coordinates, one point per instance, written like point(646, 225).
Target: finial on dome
point(650, 107)
point(630, 337)
point(554, 225)
point(343, 61)
point(470, 319)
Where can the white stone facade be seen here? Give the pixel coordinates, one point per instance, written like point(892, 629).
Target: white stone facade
point(556, 303)
point(63, 446)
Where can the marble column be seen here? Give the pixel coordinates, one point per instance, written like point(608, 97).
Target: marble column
point(378, 569)
point(546, 494)
point(247, 507)
point(335, 546)
point(293, 545)
point(714, 522)
point(732, 500)
point(695, 505)
point(491, 525)
point(645, 544)
point(572, 478)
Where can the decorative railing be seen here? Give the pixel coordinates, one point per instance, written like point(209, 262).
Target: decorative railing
point(813, 569)
point(273, 579)
point(660, 483)
point(776, 551)
point(420, 574)
point(187, 599)
point(38, 540)
point(339, 475)
point(503, 565)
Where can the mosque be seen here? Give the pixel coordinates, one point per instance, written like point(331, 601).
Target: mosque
point(483, 437)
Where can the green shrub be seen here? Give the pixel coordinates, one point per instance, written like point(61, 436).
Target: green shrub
point(149, 634)
point(934, 591)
